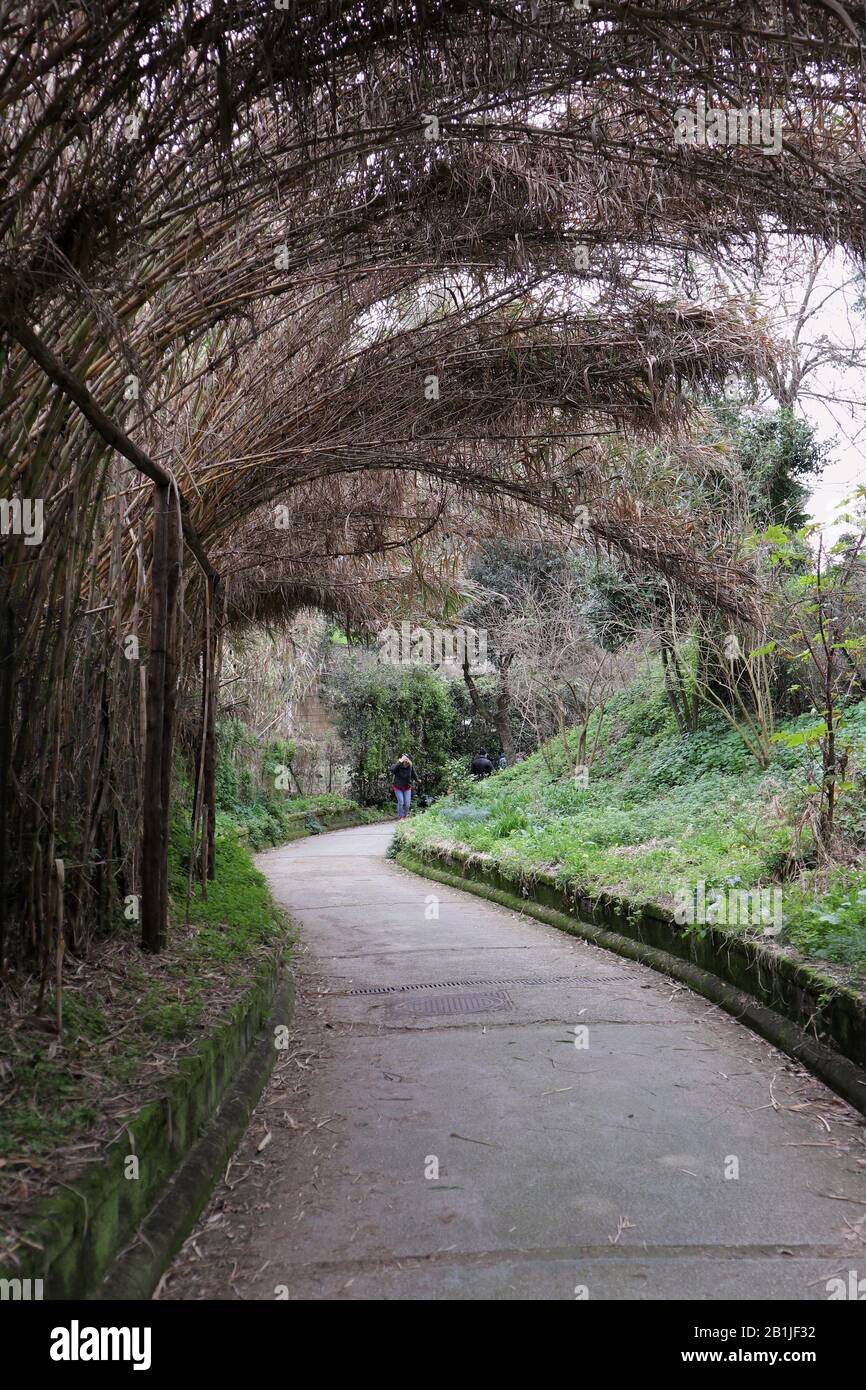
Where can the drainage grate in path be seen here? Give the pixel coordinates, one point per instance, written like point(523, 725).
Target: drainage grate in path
point(469, 984)
point(445, 1005)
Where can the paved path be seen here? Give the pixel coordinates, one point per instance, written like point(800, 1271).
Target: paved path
point(422, 1041)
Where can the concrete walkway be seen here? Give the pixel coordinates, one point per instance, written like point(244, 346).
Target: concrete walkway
point(444, 1044)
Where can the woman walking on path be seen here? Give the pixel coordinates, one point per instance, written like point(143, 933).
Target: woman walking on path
point(403, 774)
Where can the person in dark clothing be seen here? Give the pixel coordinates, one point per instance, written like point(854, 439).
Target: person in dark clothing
point(481, 765)
point(403, 776)
point(503, 762)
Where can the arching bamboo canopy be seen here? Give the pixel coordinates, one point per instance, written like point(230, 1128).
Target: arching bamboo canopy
point(328, 273)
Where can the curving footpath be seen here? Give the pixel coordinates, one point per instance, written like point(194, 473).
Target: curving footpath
point(433, 1131)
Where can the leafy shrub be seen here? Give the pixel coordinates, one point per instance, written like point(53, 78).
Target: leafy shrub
point(383, 711)
point(833, 927)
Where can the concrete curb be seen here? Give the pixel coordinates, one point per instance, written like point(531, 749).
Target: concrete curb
point(328, 820)
point(74, 1234)
point(831, 1064)
point(137, 1270)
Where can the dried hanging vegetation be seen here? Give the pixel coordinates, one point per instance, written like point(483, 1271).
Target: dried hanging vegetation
point(230, 263)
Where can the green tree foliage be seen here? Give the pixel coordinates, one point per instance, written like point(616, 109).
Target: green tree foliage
point(618, 604)
point(779, 456)
point(237, 780)
point(383, 711)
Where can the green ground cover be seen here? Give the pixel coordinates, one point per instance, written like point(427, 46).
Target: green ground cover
point(663, 813)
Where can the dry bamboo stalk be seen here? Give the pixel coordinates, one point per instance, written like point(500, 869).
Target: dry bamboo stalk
point(58, 880)
point(174, 557)
point(152, 927)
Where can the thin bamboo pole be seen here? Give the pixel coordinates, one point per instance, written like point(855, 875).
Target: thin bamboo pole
point(152, 927)
point(216, 597)
point(7, 687)
point(197, 853)
point(172, 662)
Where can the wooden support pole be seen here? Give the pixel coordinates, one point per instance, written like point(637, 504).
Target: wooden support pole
point(198, 851)
point(172, 664)
point(7, 693)
point(215, 598)
point(152, 926)
point(56, 890)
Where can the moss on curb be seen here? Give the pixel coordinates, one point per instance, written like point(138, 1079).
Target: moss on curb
point(136, 1271)
point(333, 820)
point(75, 1234)
point(802, 1012)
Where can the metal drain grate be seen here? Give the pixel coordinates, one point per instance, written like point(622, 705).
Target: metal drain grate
point(446, 1005)
point(469, 984)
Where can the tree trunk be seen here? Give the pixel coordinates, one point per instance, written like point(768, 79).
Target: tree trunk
point(503, 710)
point(670, 691)
point(471, 687)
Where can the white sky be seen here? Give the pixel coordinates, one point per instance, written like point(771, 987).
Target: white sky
point(843, 324)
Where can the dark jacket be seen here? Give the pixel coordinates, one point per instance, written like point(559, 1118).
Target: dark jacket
point(481, 767)
point(403, 775)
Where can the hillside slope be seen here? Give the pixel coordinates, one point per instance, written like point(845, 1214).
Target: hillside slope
point(665, 817)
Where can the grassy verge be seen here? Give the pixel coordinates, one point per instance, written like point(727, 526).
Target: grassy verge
point(664, 815)
point(270, 821)
point(128, 1018)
